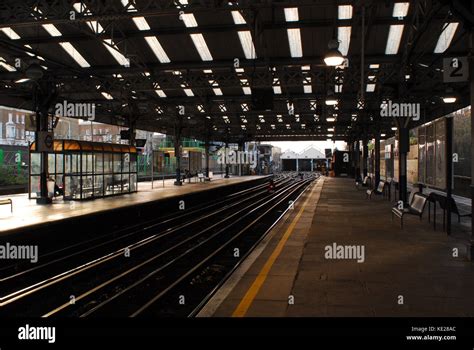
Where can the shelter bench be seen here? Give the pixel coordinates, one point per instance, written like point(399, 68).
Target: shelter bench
point(7, 201)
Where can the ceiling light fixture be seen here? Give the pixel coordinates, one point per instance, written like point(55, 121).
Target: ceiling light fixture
point(333, 56)
point(449, 97)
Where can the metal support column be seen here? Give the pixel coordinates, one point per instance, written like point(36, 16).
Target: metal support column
point(207, 145)
point(377, 158)
point(239, 164)
point(365, 149)
point(226, 162)
point(45, 95)
point(403, 148)
point(449, 171)
point(177, 153)
point(357, 160)
point(352, 159)
point(42, 126)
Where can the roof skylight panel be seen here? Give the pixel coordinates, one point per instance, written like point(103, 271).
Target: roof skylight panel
point(394, 39)
point(217, 91)
point(197, 38)
point(10, 33)
point(307, 85)
point(152, 41)
point(52, 30)
point(245, 37)
point(188, 92)
point(75, 55)
point(294, 34)
point(5, 65)
point(344, 37)
point(245, 86)
point(276, 86)
point(107, 95)
point(160, 92)
point(444, 40)
point(344, 33)
point(114, 51)
point(157, 49)
point(108, 43)
point(67, 46)
point(400, 10)
point(344, 12)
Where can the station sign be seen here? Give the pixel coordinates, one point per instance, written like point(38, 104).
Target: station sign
point(455, 69)
point(45, 141)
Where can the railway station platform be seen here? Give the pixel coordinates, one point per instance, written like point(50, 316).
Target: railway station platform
point(26, 213)
point(297, 271)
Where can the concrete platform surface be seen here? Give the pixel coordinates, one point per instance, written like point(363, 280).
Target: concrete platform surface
point(26, 212)
point(339, 254)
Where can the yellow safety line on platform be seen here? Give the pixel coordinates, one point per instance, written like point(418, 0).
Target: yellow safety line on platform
point(249, 297)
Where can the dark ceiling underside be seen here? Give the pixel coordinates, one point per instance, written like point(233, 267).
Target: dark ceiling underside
point(134, 88)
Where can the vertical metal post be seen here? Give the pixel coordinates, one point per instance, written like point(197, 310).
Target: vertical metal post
point(177, 153)
point(449, 171)
point(42, 125)
point(206, 145)
point(152, 166)
point(365, 149)
point(226, 163)
point(403, 147)
point(377, 157)
point(357, 160)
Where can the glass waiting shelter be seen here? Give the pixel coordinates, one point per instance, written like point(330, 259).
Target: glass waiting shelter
point(86, 170)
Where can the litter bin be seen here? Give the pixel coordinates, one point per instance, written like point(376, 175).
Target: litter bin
point(50, 185)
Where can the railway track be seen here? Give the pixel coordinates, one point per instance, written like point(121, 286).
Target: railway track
point(161, 268)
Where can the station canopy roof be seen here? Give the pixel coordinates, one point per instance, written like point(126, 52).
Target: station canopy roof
point(242, 70)
point(75, 146)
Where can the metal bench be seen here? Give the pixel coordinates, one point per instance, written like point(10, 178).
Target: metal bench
point(7, 201)
point(379, 190)
point(416, 207)
point(454, 209)
point(365, 183)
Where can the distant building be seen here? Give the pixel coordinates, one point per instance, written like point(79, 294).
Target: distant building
point(12, 127)
point(268, 159)
point(311, 159)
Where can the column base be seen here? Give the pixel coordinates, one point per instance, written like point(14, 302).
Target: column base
point(44, 200)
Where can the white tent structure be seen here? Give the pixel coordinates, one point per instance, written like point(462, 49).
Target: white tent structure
point(304, 160)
